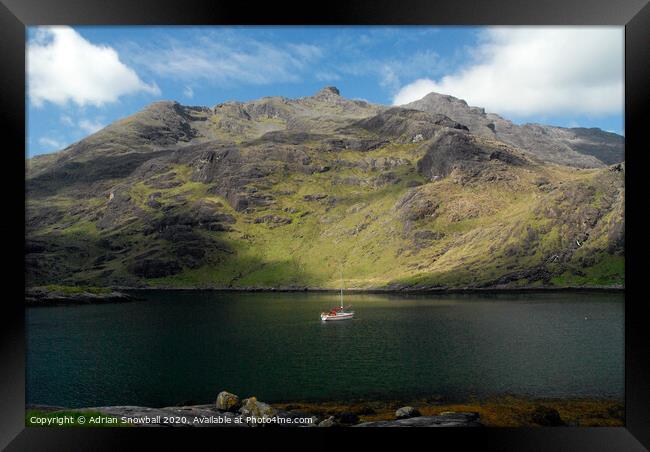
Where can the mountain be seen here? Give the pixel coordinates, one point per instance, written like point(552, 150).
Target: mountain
point(580, 147)
point(284, 193)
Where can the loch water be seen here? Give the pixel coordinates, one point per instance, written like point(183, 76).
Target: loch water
point(171, 347)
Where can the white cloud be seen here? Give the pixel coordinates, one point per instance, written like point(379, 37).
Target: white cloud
point(225, 59)
point(89, 126)
point(392, 71)
point(50, 143)
point(327, 76)
point(188, 92)
point(66, 120)
point(64, 67)
point(388, 77)
point(307, 51)
point(537, 70)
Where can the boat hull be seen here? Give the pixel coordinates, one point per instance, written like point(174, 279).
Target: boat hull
point(336, 317)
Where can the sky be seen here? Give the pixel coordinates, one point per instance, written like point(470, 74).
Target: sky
point(80, 79)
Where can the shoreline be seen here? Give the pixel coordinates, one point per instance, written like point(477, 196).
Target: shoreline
point(42, 297)
point(388, 291)
point(497, 411)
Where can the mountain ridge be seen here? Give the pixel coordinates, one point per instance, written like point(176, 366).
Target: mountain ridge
point(282, 192)
point(579, 147)
point(482, 123)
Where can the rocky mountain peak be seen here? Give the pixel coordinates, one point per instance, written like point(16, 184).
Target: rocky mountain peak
point(579, 147)
point(447, 102)
point(433, 96)
point(328, 92)
point(162, 105)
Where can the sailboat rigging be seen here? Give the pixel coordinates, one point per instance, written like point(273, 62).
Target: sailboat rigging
point(339, 312)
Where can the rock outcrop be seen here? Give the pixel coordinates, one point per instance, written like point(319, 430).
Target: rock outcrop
point(449, 151)
point(227, 402)
point(442, 420)
point(406, 412)
point(580, 147)
point(253, 407)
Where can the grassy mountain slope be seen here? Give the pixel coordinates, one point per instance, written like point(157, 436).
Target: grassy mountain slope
point(287, 193)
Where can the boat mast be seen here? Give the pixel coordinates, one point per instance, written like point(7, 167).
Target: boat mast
point(341, 288)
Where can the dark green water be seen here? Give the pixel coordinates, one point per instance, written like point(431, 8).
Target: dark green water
point(173, 347)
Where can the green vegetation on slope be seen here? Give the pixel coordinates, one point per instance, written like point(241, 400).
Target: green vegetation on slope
point(402, 200)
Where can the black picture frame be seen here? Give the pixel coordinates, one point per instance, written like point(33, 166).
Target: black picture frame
point(15, 15)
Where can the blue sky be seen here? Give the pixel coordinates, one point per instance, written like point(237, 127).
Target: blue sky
point(83, 78)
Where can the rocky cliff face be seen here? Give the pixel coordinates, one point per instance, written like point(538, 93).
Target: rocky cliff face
point(284, 192)
point(580, 147)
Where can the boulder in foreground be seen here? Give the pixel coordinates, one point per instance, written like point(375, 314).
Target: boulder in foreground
point(406, 412)
point(253, 407)
point(227, 402)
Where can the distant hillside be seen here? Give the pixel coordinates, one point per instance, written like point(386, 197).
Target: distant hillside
point(287, 192)
point(580, 147)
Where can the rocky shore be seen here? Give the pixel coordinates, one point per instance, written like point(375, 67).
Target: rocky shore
point(50, 296)
point(46, 296)
point(231, 411)
point(424, 289)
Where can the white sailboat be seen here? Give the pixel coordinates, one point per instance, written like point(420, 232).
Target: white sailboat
point(339, 312)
